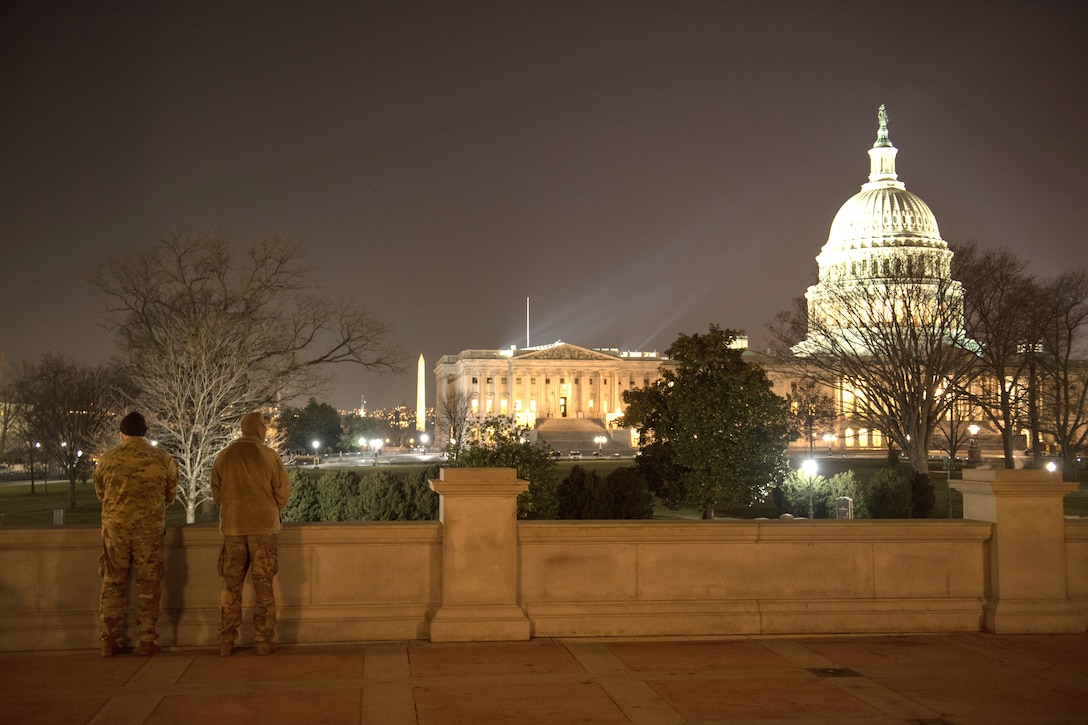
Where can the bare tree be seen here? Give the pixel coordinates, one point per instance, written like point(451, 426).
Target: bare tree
point(66, 406)
point(812, 411)
point(997, 314)
point(9, 413)
point(1064, 362)
point(453, 413)
point(211, 335)
point(891, 344)
point(953, 431)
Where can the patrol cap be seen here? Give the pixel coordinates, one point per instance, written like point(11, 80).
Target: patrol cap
point(134, 424)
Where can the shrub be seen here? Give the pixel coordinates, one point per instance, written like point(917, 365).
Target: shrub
point(624, 494)
point(847, 484)
point(888, 494)
point(338, 496)
point(825, 491)
point(303, 504)
point(573, 493)
point(631, 496)
point(382, 497)
point(385, 496)
point(796, 490)
point(424, 500)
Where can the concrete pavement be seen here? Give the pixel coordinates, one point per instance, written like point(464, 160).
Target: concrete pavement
point(939, 679)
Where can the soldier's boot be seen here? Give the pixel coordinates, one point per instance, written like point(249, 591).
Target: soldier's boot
point(146, 649)
point(226, 648)
point(109, 647)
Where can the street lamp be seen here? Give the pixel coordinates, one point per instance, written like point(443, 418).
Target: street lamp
point(423, 439)
point(33, 448)
point(376, 444)
point(809, 469)
point(599, 440)
point(829, 439)
point(973, 453)
point(317, 456)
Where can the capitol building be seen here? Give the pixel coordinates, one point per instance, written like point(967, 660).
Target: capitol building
point(879, 237)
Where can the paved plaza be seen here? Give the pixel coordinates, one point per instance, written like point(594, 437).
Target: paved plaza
point(937, 679)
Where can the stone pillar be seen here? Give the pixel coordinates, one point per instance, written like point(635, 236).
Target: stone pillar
point(1027, 592)
point(478, 511)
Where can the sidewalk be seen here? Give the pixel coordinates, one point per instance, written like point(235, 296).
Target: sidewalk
point(938, 679)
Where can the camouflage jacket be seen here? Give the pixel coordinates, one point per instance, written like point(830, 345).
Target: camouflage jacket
point(135, 483)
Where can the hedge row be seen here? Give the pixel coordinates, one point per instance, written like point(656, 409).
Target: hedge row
point(342, 495)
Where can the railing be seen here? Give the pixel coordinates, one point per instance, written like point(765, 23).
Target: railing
point(479, 574)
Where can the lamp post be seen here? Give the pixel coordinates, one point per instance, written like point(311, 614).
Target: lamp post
point(317, 456)
point(599, 440)
point(809, 469)
point(973, 453)
point(423, 439)
point(829, 439)
point(33, 448)
point(376, 444)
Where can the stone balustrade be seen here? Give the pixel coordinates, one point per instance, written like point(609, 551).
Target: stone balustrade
point(1013, 565)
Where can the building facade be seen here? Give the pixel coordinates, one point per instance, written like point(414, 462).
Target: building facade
point(556, 381)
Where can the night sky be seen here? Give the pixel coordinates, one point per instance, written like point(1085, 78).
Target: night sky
point(638, 169)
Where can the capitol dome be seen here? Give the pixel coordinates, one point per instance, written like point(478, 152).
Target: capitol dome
point(883, 229)
point(884, 255)
point(883, 217)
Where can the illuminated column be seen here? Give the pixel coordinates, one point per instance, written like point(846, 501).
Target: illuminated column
point(421, 395)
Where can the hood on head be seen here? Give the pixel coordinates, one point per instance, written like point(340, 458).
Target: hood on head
point(253, 425)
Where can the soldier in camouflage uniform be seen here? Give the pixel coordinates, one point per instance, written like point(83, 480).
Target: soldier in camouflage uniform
point(250, 484)
point(135, 483)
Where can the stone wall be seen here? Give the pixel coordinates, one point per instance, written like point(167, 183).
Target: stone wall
point(480, 574)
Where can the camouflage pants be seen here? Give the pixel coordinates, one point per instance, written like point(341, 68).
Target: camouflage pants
point(256, 554)
point(143, 556)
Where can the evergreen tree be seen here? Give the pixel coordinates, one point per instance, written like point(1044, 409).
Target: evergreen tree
point(711, 423)
point(498, 443)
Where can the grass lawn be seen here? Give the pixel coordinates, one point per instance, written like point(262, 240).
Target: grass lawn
point(19, 508)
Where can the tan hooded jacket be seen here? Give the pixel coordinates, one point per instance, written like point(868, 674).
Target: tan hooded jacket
point(249, 482)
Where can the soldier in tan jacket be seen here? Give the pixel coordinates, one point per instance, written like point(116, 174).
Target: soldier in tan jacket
point(250, 484)
point(135, 483)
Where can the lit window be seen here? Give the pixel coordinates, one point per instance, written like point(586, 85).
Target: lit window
point(475, 406)
point(489, 380)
